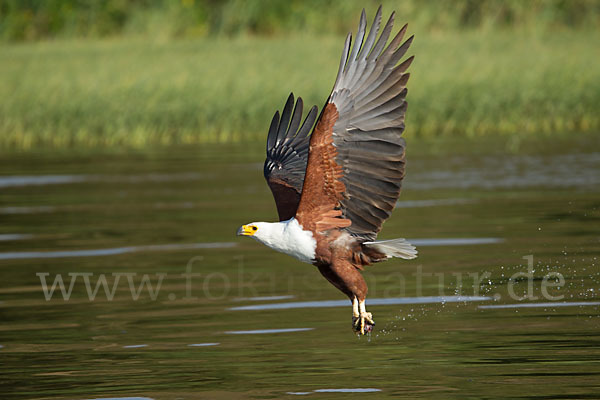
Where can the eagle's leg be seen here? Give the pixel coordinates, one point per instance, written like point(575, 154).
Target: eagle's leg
point(362, 321)
point(355, 312)
point(349, 280)
point(366, 319)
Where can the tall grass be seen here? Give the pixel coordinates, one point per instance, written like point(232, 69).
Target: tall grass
point(134, 92)
point(35, 19)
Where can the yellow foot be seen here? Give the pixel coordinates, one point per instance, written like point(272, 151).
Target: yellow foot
point(363, 323)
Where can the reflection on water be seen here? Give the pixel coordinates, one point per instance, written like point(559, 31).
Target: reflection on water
point(265, 298)
point(440, 337)
point(189, 204)
point(358, 390)
point(36, 180)
point(454, 241)
point(370, 302)
point(509, 171)
point(114, 251)
point(124, 398)
point(342, 390)
point(553, 304)
point(24, 180)
point(195, 246)
point(26, 210)
point(15, 236)
point(95, 207)
point(267, 331)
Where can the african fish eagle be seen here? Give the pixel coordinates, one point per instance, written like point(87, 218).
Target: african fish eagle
point(334, 188)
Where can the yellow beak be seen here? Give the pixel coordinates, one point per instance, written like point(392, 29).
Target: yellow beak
point(247, 230)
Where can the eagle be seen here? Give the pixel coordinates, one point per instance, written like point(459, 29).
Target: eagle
point(335, 185)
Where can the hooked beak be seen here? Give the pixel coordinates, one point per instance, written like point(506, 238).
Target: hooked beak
point(246, 230)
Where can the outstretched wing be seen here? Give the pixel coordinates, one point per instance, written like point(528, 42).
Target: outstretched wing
point(287, 154)
point(369, 100)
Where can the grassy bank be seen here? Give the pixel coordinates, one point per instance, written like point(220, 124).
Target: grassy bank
point(167, 19)
point(136, 93)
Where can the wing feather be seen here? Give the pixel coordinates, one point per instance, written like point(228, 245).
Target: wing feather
point(356, 159)
point(287, 155)
point(370, 95)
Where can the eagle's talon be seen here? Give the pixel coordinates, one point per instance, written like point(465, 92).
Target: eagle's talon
point(364, 323)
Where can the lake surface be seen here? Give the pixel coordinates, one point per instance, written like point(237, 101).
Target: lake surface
point(161, 300)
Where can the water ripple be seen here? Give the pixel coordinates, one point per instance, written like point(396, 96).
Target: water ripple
point(341, 390)
point(37, 180)
point(113, 251)
point(454, 241)
point(509, 171)
point(265, 298)
point(371, 302)
point(14, 236)
point(263, 331)
point(357, 390)
point(539, 305)
point(27, 209)
point(124, 398)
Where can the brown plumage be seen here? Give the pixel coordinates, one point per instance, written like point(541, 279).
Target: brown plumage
point(336, 187)
point(318, 210)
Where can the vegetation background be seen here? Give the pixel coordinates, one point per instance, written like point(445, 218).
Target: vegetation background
point(134, 73)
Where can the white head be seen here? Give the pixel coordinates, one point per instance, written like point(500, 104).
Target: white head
point(265, 232)
point(285, 236)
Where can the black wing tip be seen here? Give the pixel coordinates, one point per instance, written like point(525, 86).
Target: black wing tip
point(309, 121)
point(289, 102)
point(273, 128)
point(314, 110)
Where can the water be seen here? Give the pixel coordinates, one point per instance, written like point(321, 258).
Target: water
point(372, 302)
point(268, 331)
point(553, 304)
point(160, 299)
point(112, 251)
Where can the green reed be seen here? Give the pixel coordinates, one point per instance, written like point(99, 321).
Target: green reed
point(139, 92)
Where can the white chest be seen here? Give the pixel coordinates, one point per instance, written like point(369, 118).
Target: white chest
point(288, 237)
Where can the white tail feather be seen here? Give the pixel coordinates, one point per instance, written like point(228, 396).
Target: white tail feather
point(394, 248)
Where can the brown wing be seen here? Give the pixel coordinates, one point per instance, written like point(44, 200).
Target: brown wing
point(287, 154)
point(323, 190)
point(355, 167)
